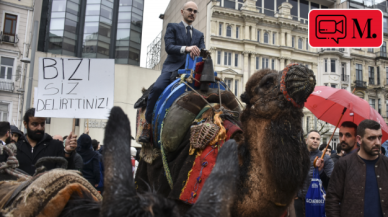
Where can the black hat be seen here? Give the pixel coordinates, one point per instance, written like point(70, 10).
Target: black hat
point(14, 129)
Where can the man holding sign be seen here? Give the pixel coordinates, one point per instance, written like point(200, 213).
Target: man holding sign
point(37, 144)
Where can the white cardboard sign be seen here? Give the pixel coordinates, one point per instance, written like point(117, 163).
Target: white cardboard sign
point(75, 88)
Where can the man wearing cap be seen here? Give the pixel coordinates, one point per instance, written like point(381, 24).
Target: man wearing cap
point(15, 134)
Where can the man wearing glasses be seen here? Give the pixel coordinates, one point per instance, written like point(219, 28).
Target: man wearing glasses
point(180, 39)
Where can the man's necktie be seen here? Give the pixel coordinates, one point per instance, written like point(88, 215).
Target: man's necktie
point(188, 33)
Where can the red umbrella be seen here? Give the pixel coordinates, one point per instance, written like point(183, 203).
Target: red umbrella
point(327, 104)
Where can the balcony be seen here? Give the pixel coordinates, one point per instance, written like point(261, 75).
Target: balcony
point(381, 54)
point(6, 86)
point(9, 39)
point(345, 78)
point(360, 84)
point(333, 50)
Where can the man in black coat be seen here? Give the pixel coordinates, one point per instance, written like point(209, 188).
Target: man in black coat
point(37, 144)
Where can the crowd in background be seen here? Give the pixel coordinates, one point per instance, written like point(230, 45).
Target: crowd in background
point(83, 153)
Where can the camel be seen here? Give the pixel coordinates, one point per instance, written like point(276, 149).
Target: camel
point(273, 158)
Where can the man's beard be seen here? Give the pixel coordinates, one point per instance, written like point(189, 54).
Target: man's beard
point(370, 151)
point(347, 148)
point(33, 134)
point(8, 140)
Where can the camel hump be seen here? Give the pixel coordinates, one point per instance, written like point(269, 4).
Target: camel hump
point(185, 109)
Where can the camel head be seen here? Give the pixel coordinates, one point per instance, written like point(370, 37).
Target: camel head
point(270, 94)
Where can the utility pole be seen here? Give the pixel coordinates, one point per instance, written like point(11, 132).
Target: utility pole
point(31, 74)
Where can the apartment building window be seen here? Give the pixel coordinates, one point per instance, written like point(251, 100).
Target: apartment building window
point(264, 63)
point(274, 38)
point(325, 65)
point(6, 68)
point(326, 84)
point(236, 60)
point(372, 103)
point(307, 123)
point(10, 21)
point(386, 106)
point(228, 82)
point(4, 112)
point(371, 73)
point(235, 87)
point(273, 64)
point(370, 50)
point(237, 31)
point(332, 65)
point(293, 41)
point(266, 37)
point(227, 59)
point(379, 106)
point(343, 72)
point(300, 42)
point(228, 31)
point(358, 72)
point(378, 74)
point(333, 85)
point(307, 44)
point(219, 57)
point(220, 29)
point(386, 75)
point(258, 35)
point(257, 64)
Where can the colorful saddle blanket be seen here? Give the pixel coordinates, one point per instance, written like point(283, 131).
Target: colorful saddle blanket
point(204, 162)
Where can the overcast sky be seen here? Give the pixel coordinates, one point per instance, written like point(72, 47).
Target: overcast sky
point(152, 25)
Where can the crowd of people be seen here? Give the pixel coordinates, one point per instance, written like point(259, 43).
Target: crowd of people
point(352, 177)
point(83, 153)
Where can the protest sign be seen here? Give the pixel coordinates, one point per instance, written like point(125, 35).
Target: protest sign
point(75, 88)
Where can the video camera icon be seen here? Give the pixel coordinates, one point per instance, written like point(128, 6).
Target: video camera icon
point(330, 27)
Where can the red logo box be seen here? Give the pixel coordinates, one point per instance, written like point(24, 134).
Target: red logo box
point(346, 28)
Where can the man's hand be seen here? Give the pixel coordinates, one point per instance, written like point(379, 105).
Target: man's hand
point(320, 163)
point(193, 50)
point(71, 143)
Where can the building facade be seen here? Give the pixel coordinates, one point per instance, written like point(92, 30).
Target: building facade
point(92, 29)
point(15, 26)
point(248, 35)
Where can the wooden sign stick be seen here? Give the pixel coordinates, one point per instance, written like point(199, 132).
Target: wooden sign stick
point(73, 128)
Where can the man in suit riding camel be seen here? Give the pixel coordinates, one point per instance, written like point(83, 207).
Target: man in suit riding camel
point(180, 39)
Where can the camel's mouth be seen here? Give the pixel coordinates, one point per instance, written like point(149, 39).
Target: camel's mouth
point(297, 83)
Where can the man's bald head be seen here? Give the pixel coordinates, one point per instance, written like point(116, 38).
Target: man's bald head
point(189, 12)
point(188, 4)
point(58, 137)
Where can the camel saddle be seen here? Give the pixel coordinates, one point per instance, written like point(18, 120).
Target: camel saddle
point(46, 194)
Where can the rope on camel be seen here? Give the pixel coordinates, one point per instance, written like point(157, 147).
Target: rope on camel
point(12, 162)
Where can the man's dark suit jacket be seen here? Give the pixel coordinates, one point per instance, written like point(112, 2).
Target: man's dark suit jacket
point(174, 39)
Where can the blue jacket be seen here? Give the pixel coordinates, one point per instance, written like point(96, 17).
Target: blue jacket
point(174, 39)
